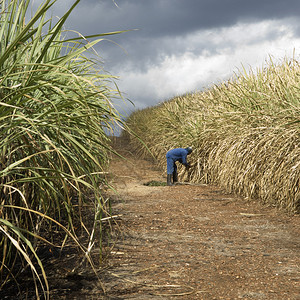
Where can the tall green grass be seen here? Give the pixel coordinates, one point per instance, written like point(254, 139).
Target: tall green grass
point(245, 133)
point(54, 109)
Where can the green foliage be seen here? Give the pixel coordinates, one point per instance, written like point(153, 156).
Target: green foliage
point(54, 110)
point(245, 133)
point(155, 183)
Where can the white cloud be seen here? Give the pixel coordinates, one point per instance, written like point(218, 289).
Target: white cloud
point(225, 51)
point(178, 64)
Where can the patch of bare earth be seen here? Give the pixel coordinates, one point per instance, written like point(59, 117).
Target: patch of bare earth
point(197, 242)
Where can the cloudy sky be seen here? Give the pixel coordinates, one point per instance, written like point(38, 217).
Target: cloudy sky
point(179, 46)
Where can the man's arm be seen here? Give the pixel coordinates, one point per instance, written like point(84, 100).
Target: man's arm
point(184, 159)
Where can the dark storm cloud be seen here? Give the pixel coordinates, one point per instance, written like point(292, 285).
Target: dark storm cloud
point(182, 45)
point(160, 21)
point(157, 18)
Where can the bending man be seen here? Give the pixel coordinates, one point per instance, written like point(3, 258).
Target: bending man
point(174, 155)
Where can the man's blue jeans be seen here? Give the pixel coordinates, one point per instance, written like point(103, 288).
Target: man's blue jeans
point(171, 166)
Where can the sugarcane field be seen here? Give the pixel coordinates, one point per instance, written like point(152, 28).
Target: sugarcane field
point(176, 242)
point(196, 197)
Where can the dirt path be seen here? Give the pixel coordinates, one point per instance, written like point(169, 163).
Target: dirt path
point(179, 242)
point(197, 242)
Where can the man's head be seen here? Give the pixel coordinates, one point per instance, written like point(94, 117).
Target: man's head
point(189, 150)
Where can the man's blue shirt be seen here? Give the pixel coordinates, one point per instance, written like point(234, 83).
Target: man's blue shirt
point(178, 154)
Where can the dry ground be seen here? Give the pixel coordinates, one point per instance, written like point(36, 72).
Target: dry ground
point(181, 242)
point(197, 242)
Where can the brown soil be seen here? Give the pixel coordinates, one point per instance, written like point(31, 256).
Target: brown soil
point(184, 242)
point(198, 242)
